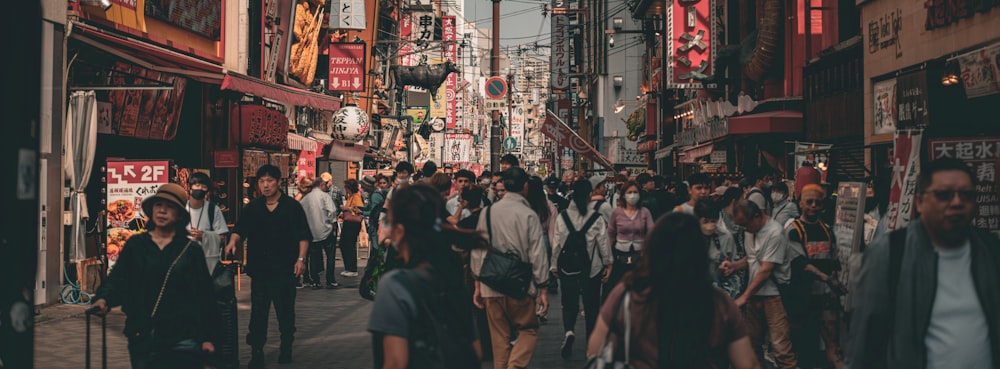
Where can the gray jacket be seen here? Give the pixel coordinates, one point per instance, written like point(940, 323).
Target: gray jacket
point(883, 339)
point(515, 228)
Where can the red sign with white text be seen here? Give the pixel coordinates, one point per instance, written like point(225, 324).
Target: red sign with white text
point(347, 66)
point(559, 132)
point(128, 183)
point(691, 35)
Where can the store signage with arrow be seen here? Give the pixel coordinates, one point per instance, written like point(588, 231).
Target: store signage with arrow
point(347, 66)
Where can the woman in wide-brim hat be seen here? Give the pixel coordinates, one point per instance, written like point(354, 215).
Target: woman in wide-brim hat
point(164, 289)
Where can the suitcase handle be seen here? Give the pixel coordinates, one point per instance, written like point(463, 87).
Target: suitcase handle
point(104, 337)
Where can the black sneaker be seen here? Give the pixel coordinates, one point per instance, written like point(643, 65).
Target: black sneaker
point(256, 359)
point(316, 286)
point(567, 345)
point(332, 285)
point(298, 284)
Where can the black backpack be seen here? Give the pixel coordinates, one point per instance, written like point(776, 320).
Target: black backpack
point(573, 259)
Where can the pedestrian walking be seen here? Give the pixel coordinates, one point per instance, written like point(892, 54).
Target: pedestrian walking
point(722, 247)
point(928, 295)
point(277, 235)
point(164, 289)
point(699, 186)
point(207, 223)
point(627, 229)
point(784, 210)
point(373, 210)
point(767, 252)
point(422, 316)
point(581, 259)
point(814, 242)
point(673, 317)
point(321, 216)
point(546, 212)
point(464, 179)
point(351, 228)
point(512, 227)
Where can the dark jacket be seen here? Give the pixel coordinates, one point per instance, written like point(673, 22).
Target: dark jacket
point(187, 309)
point(884, 339)
point(272, 236)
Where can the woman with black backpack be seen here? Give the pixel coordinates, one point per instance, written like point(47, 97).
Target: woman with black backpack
point(423, 316)
point(581, 259)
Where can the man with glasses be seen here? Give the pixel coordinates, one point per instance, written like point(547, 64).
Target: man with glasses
point(464, 178)
point(928, 295)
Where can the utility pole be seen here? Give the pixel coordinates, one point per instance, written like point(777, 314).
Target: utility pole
point(494, 72)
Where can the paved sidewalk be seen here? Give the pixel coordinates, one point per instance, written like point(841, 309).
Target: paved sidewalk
point(331, 333)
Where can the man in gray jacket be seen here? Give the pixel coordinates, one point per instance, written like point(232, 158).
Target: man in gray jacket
point(928, 296)
point(513, 227)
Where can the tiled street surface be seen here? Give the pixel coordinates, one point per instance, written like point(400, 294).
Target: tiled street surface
point(331, 333)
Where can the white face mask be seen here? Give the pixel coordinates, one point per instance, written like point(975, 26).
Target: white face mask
point(632, 198)
point(777, 197)
point(708, 229)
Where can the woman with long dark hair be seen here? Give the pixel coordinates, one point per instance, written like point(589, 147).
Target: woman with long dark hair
point(546, 211)
point(351, 227)
point(678, 319)
point(584, 216)
point(427, 292)
point(627, 228)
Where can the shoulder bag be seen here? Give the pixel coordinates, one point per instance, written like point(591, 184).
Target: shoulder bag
point(605, 359)
point(504, 272)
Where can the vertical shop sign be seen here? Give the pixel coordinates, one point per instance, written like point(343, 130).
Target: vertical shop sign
point(458, 149)
point(347, 66)
point(980, 71)
point(129, 182)
point(981, 154)
point(517, 128)
point(559, 58)
point(692, 30)
point(848, 228)
point(405, 35)
point(884, 107)
point(905, 167)
point(451, 83)
point(347, 14)
point(911, 90)
point(438, 103)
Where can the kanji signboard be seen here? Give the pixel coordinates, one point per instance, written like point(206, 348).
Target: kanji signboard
point(981, 153)
point(347, 66)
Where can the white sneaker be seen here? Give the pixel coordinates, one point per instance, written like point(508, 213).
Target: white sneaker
point(349, 274)
point(567, 344)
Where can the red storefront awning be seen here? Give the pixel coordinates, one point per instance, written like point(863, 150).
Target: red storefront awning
point(286, 94)
point(148, 55)
point(781, 121)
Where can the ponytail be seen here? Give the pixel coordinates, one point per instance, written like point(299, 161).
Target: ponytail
point(581, 194)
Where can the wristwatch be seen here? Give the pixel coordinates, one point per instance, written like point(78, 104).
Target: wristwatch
point(302, 259)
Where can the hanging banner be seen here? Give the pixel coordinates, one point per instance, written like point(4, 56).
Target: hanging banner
point(911, 98)
point(517, 129)
point(451, 83)
point(129, 182)
point(560, 57)
point(564, 136)
point(438, 102)
point(980, 72)
point(906, 166)
point(813, 152)
point(405, 35)
point(982, 154)
point(884, 107)
point(305, 167)
point(458, 149)
point(347, 14)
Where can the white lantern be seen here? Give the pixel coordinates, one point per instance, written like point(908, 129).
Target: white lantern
point(350, 123)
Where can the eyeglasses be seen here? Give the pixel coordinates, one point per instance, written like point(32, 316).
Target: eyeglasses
point(948, 195)
point(812, 202)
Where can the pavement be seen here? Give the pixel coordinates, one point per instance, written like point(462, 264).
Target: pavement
point(332, 333)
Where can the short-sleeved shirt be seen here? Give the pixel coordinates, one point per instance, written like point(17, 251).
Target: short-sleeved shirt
point(727, 326)
point(819, 246)
point(272, 235)
point(771, 245)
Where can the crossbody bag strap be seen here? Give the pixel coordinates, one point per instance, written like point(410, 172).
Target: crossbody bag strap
point(167, 278)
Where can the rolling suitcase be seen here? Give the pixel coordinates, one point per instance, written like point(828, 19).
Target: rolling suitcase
point(224, 279)
point(104, 339)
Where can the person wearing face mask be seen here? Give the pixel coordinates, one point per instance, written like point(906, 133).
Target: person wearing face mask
point(721, 247)
point(207, 223)
point(627, 228)
point(783, 210)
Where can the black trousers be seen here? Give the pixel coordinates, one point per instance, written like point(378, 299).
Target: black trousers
point(574, 287)
point(315, 260)
point(349, 245)
point(165, 358)
point(265, 290)
point(617, 271)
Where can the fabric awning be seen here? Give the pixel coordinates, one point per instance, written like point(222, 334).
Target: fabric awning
point(690, 155)
point(565, 136)
point(663, 153)
point(148, 55)
point(297, 142)
point(781, 121)
point(286, 94)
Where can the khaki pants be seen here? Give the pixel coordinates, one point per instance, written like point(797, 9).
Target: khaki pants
point(767, 312)
point(504, 314)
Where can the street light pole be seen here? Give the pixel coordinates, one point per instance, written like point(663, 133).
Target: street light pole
point(494, 72)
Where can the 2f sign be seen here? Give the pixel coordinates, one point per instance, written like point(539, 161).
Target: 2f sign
point(137, 173)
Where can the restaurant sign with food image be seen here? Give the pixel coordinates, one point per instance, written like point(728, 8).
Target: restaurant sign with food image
point(128, 183)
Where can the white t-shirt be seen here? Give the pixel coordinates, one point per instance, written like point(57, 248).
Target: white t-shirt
point(958, 335)
point(770, 244)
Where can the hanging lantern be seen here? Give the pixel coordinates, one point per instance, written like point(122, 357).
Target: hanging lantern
point(350, 124)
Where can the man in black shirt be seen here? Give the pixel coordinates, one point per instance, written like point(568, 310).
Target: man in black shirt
point(278, 237)
point(552, 192)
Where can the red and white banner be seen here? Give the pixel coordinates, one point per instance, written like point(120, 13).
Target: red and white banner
point(129, 182)
point(905, 167)
point(559, 132)
point(347, 66)
point(405, 34)
point(458, 149)
point(451, 84)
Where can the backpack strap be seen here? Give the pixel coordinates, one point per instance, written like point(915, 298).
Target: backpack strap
point(211, 216)
point(591, 221)
point(569, 224)
point(897, 245)
point(801, 230)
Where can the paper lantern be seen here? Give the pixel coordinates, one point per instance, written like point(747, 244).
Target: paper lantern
point(350, 123)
